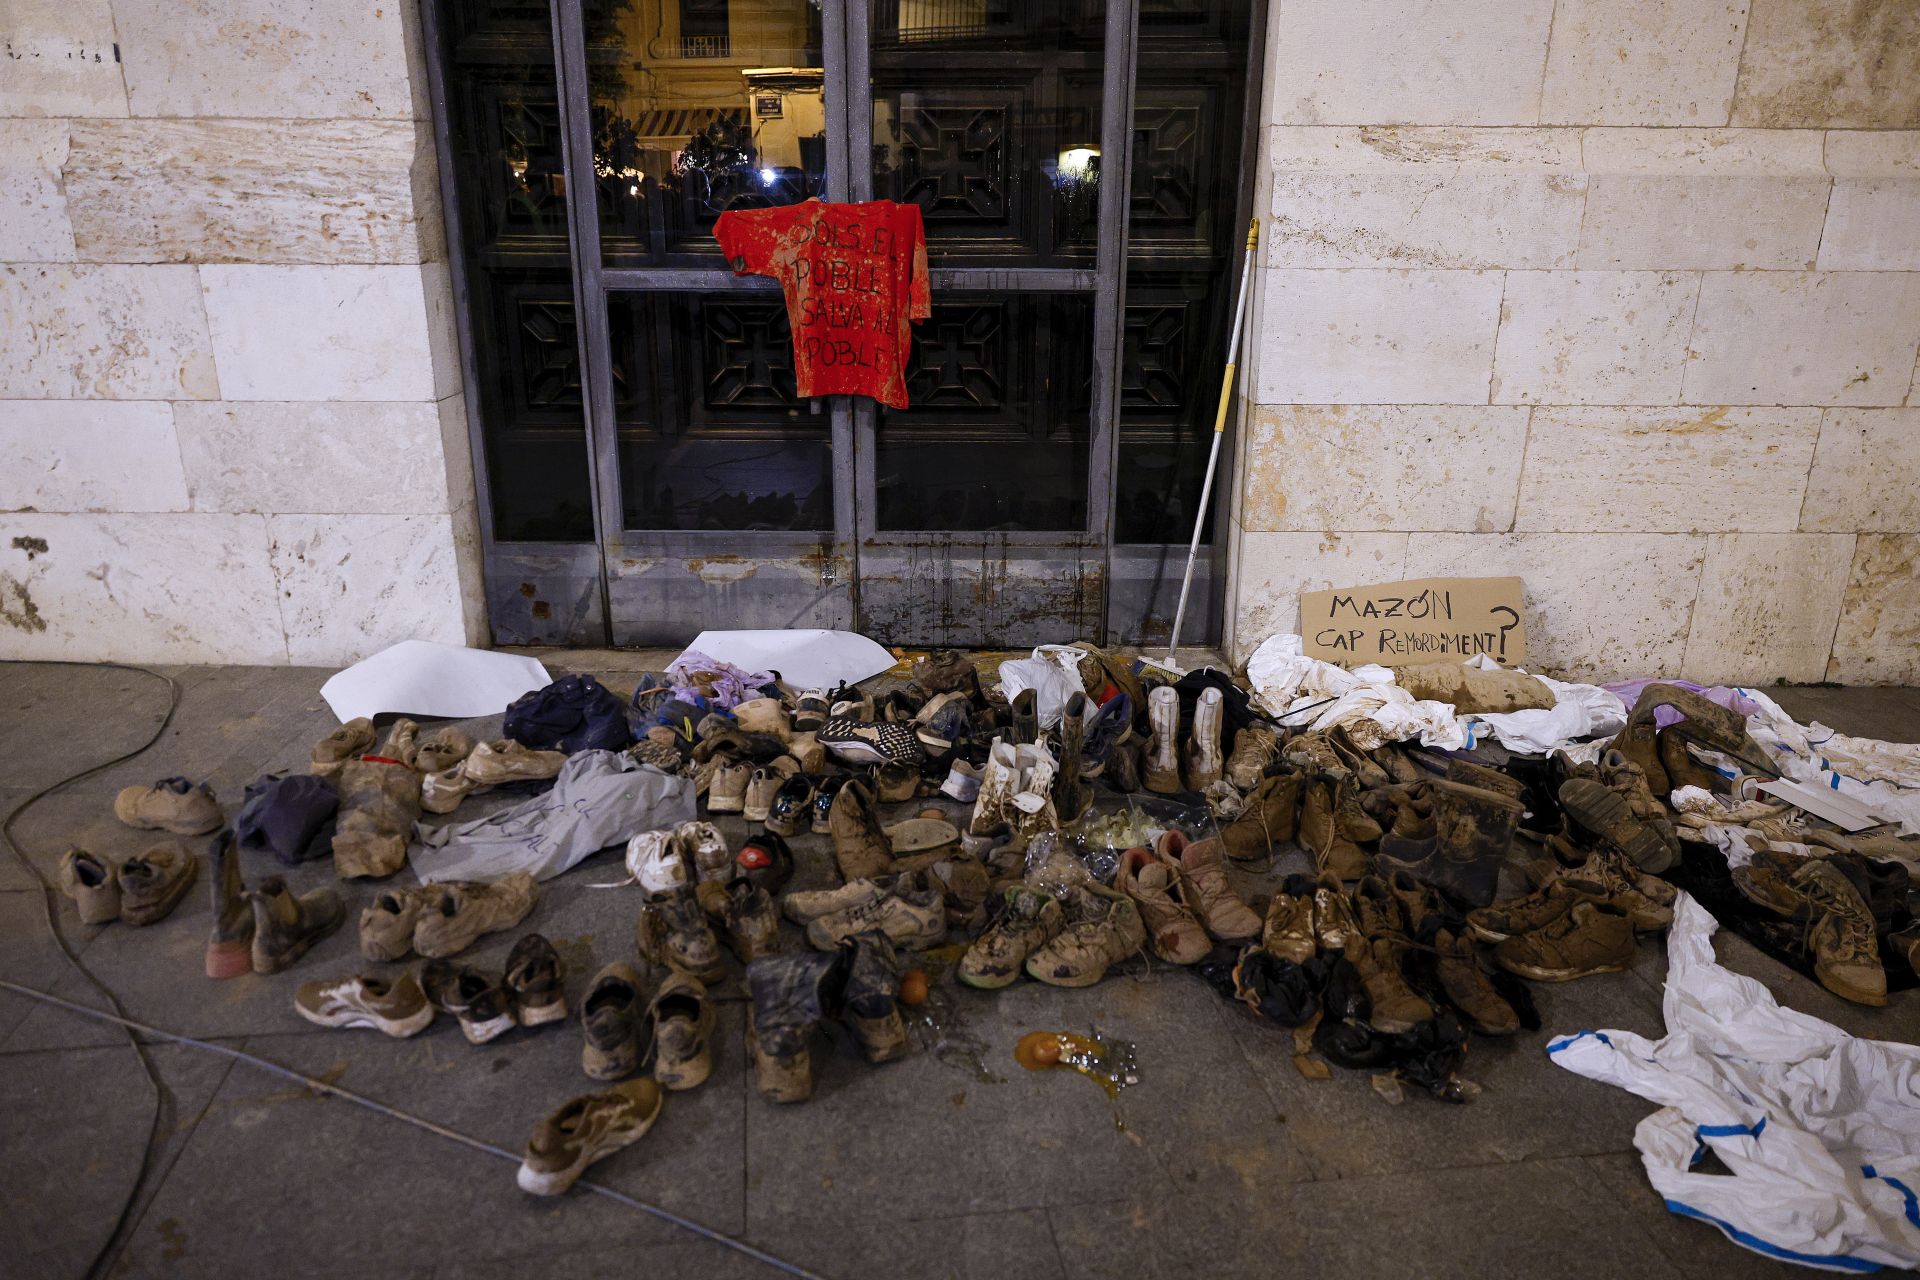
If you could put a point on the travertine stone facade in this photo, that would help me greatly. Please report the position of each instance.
(1622, 296)
(229, 404)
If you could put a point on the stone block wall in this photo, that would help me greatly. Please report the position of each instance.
(230, 405)
(1622, 296)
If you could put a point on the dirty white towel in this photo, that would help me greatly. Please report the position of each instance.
(600, 799)
(1819, 1129)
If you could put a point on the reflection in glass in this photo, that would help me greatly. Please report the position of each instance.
(699, 107)
(710, 433)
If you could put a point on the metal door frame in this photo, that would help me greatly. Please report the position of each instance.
(847, 90)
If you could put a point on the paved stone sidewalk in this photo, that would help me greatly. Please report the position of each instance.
(1230, 1163)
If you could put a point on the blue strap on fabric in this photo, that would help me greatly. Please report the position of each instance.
(1836, 1261)
(1564, 1041)
(1906, 1192)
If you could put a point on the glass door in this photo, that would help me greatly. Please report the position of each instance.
(645, 466)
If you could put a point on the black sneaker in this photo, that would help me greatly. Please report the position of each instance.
(535, 981)
(792, 807)
(483, 1008)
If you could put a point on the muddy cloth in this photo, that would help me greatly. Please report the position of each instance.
(574, 713)
(1427, 1056)
(600, 799)
(1817, 1132)
(379, 803)
(855, 278)
(291, 817)
(704, 681)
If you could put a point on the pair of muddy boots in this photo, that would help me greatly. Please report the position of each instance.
(1173, 765)
(1017, 793)
(1581, 921)
(266, 929)
(1613, 800)
(1397, 919)
(795, 994)
(622, 1026)
(1451, 836)
(1841, 928)
(140, 891)
(1662, 754)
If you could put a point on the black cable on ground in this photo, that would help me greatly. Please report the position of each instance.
(103, 1257)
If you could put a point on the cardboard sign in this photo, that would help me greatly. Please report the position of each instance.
(1427, 620)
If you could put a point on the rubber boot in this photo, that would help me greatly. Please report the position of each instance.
(1026, 717)
(1163, 754)
(998, 781)
(230, 946)
(1204, 758)
(1070, 795)
(285, 927)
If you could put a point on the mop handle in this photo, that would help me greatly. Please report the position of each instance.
(1219, 429)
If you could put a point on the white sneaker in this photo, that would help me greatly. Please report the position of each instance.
(654, 861)
(705, 850)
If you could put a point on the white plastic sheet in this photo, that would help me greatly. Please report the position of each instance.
(805, 659)
(421, 678)
(1819, 1129)
(1053, 673)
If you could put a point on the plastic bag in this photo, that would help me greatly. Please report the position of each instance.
(1053, 673)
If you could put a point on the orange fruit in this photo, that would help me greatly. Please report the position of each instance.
(913, 987)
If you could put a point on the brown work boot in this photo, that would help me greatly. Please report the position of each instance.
(1416, 900)
(682, 1018)
(613, 1021)
(1028, 920)
(1102, 929)
(1288, 931)
(1322, 835)
(387, 924)
(1681, 768)
(1639, 742)
(1377, 910)
(1846, 957)
(1464, 983)
(395, 1007)
(673, 931)
(860, 846)
(1378, 960)
(1254, 747)
(1150, 880)
(171, 804)
(379, 803)
(1269, 818)
(1602, 810)
(285, 927)
(909, 917)
(94, 885)
(1589, 937)
(349, 742)
(1473, 831)
(152, 883)
(1334, 925)
(589, 1128)
(230, 944)
(458, 913)
(1205, 889)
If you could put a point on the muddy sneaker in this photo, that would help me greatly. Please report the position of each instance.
(1527, 913)
(757, 802)
(230, 942)
(860, 844)
(171, 804)
(705, 850)
(727, 792)
(791, 809)
(752, 921)
(403, 742)
(1254, 748)
(379, 803)
(911, 918)
(1102, 929)
(946, 671)
(1380, 961)
(442, 749)
(871, 997)
(387, 924)
(504, 760)
(1462, 981)
(763, 715)
(535, 982)
(93, 884)
(1172, 930)
(396, 1008)
(456, 914)
(682, 1018)
(804, 906)
(613, 1019)
(1031, 809)
(1607, 875)
(1162, 765)
(442, 792)
(1334, 925)
(349, 742)
(1322, 835)
(483, 1007)
(152, 883)
(1202, 754)
(589, 1128)
(673, 931)
(1603, 811)
(1288, 930)
(1590, 937)
(1028, 920)
(1270, 817)
(286, 927)
(793, 993)
(1205, 890)
(1846, 957)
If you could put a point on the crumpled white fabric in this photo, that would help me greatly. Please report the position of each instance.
(1884, 776)
(1375, 709)
(1819, 1129)
(1053, 673)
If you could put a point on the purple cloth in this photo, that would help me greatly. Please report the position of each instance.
(1629, 692)
(731, 685)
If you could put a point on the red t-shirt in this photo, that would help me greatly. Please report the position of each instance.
(855, 275)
